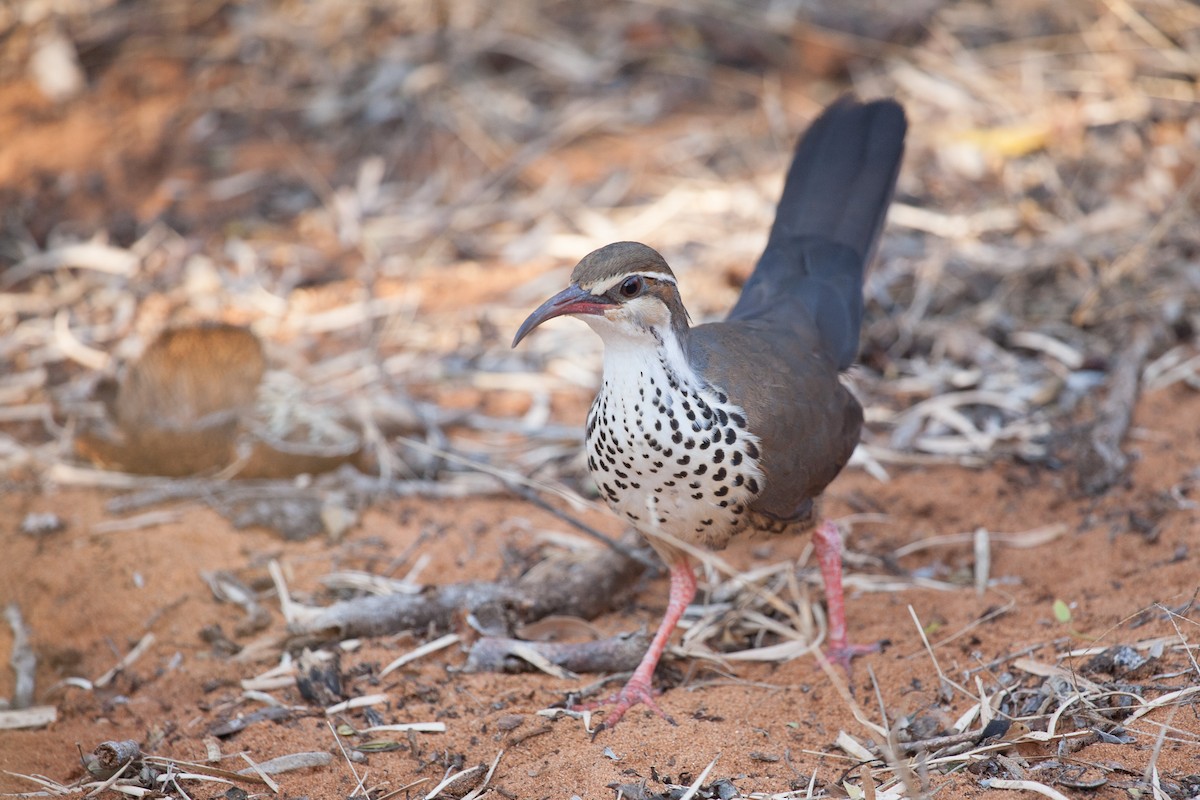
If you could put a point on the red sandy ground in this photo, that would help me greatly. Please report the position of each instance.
(88, 598)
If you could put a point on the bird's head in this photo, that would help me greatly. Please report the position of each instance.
(624, 289)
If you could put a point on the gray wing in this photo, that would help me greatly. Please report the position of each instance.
(794, 402)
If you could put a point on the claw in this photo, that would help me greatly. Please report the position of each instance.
(635, 692)
(842, 654)
(632, 694)
(637, 689)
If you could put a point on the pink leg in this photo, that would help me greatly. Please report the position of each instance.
(827, 539)
(637, 689)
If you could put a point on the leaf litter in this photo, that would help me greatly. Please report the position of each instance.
(1042, 248)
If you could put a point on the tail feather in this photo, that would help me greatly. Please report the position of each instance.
(827, 225)
(841, 179)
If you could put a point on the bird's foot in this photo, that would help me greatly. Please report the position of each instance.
(635, 692)
(843, 653)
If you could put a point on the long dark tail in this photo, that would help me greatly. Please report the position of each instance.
(834, 201)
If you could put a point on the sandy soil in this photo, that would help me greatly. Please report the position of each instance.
(1120, 562)
(1126, 565)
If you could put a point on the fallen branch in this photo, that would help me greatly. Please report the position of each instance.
(1100, 461)
(583, 586)
(23, 660)
(614, 654)
(32, 717)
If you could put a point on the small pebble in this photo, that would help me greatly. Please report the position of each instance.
(41, 523)
(510, 722)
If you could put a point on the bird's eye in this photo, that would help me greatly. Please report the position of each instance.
(631, 287)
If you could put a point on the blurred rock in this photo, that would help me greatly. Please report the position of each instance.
(178, 409)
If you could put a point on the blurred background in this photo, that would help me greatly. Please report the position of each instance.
(381, 190)
(293, 240)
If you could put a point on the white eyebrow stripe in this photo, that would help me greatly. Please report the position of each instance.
(601, 288)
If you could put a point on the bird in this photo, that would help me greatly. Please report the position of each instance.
(700, 433)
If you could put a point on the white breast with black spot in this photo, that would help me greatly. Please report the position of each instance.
(669, 452)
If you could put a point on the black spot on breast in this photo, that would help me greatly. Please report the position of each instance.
(658, 464)
(620, 474)
(674, 424)
(721, 491)
(718, 456)
(620, 485)
(751, 450)
(739, 479)
(658, 424)
(738, 420)
(668, 452)
(677, 437)
(706, 522)
(684, 460)
(668, 483)
(722, 417)
(736, 458)
(635, 484)
(658, 490)
(592, 463)
(719, 475)
(681, 475)
(632, 516)
(730, 436)
(701, 469)
(694, 485)
(752, 485)
(698, 496)
(722, 397)
(689, 444)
